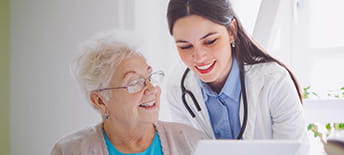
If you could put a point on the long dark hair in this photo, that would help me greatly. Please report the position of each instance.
(246, 51)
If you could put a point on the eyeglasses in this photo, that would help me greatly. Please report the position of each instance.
(138, 84)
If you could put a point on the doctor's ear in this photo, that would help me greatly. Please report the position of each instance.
(233, 30)
(97, 100)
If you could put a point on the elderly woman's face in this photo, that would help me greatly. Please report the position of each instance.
(139, 107)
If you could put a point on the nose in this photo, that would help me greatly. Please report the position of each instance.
(150, 88)
(199, 55)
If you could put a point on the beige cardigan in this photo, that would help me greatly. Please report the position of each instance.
(175, 138)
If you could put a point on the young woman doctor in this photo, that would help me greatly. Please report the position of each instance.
(231, 88)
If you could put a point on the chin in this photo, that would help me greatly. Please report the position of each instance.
(207, 79)
(150, 120)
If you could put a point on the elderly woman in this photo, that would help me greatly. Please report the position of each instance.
(123, 88)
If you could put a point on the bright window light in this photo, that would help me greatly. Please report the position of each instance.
(326, 24)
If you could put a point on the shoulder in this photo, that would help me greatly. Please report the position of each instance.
(266, 69)
(177, 138)
(79, 135)
(78, 140)
(173, 83)
(174, 128)
(174, 75)
(268, 72)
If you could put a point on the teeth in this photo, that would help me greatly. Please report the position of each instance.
(147, 104)
(204, 67)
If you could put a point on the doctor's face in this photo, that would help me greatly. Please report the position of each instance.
(204, 47)
(133, 107)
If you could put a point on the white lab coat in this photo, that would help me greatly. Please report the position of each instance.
(274, 109)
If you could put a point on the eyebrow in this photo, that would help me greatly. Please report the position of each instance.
(128, 72)
(205, 36)
(149, 68)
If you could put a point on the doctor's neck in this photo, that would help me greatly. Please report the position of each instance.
(216, 88)
(218, 84)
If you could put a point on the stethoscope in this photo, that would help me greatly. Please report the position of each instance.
(186, 92)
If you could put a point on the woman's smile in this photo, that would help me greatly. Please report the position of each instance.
(204, 69)
(151, 105)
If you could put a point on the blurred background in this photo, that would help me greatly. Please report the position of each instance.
(40, 102)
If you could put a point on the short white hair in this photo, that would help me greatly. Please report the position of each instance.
(94, 67)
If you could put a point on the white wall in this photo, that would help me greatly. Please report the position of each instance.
(45, 101)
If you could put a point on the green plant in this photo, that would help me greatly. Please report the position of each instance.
(330, 127)
(307, 92)
(336, 93)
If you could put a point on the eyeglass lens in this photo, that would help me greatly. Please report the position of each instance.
(137, 85)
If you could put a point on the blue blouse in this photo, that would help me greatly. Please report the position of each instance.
(224, 107)
(153, 149)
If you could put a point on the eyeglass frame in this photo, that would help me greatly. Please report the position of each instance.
(144, 83)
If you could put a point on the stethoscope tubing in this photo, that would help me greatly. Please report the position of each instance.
(198, 107)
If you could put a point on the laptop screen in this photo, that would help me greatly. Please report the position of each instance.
(248, 147)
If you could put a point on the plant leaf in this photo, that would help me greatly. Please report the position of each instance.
(316, 134)
(310, 126)
(315, 94)
(328, 126)
(341, 126)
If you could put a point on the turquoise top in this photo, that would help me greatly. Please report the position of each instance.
(153, 149)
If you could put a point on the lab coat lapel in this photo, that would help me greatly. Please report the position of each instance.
(202, 118)
(251, 117)
(253, 85)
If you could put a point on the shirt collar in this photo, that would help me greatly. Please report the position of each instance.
(232, 87)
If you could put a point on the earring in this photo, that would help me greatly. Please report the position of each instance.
(233, 44)
(105, 116)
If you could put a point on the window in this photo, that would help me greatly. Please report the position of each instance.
(307, 35)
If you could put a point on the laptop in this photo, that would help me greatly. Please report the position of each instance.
(247, 147)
